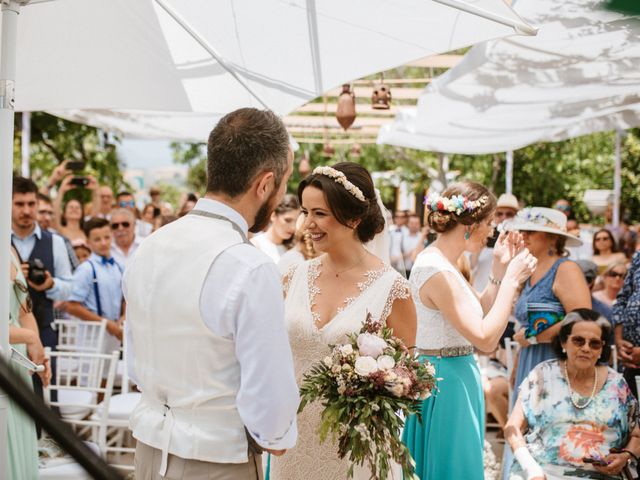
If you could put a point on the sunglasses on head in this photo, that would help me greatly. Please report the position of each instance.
(594, 343)
(616, 274)
(125, 204)
(115, 225)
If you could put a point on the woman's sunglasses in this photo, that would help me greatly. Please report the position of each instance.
(602, 239)
(616, 274)
(594, 343)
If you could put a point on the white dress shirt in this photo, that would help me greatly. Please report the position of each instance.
(240, 285)
(122, 258)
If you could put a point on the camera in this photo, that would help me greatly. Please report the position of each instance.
(491, 241)
(79, 181)
(37, 272)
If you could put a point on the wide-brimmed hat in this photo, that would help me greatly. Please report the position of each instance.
(507, 200)
(540, 219)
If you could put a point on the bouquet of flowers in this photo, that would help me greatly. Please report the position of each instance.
(363, 385)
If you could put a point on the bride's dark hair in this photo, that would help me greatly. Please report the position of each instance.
(344, 205)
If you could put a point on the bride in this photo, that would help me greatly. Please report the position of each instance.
(329, 297)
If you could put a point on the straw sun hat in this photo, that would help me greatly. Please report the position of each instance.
(540, 219)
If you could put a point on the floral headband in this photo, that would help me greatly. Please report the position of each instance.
(340, 178)
(456, 204)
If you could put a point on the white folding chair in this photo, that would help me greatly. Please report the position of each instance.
(80, 336)
(511, 347)
(118, 441)
(614, 358)
(79, 386)
(638, 386)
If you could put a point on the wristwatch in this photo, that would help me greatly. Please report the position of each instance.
(532, 340)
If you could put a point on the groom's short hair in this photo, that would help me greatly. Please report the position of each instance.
(243, 144)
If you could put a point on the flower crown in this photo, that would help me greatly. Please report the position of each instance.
(456, 204)
(340, 178)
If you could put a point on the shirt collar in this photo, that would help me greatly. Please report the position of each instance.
(97, 258)
(219, 208)
(36, 231)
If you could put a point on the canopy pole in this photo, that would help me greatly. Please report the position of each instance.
(520, 27)
(508, 180)
(617, 182)
(212, 51)
(25, 144)
(10, 10)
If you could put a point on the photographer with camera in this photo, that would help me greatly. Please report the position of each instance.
(43, 258)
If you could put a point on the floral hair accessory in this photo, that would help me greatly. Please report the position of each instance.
(339, 177)
(457, 204)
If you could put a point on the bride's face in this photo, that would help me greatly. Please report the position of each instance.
(321, 224)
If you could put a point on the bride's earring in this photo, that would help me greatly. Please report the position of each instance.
(467, 234)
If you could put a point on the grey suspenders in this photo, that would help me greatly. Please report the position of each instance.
(202, 213)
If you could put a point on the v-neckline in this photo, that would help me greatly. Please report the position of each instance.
(313, 272)
(543, 276)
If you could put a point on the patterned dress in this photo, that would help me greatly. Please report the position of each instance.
(560, 435)
(310, 459)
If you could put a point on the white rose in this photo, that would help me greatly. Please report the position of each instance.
(366, 365)
(346, 367)
(396, 389)
(346, 349)
(328, 361)
(425, 395)
(390, 377)
(371, 345)
(431, 370)
(386, 362)
(342, 389)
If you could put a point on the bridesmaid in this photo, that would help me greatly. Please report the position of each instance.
(453, 319)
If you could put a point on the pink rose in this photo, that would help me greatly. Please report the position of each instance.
(371, 345)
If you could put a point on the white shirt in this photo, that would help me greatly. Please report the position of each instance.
(409, 243)
(249, 281)
(262, 242)
(122, 258)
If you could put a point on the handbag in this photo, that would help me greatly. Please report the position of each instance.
(542, 315)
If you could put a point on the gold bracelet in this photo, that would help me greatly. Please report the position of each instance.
(494, 280)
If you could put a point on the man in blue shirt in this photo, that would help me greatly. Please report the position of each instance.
(39, 248)
(97, 284)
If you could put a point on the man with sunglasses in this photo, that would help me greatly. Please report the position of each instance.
(125, 244)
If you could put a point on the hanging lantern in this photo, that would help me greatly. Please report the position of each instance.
(355, 150)
(346, 109)
(305, 165)
(328, 151)
(381, 96)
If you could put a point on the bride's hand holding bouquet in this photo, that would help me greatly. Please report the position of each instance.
(363, 385)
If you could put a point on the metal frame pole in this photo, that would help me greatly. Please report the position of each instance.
(508, 177)
(10, 10)
(617, 182)
(25, 144)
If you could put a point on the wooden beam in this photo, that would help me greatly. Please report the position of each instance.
(437, 61)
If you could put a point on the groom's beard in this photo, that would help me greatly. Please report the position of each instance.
(263, 217)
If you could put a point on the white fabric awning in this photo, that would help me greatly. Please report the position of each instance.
(111, 63)
(580, 74)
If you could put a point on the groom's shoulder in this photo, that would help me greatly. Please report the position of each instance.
(248, 256)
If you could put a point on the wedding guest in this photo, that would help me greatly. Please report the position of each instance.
(53, 282)
(397, 232)
(205, 333)
(330, 296)
(574, 417)
(605, 250)
(303, 248)
(156, 196)
(71, 221)
(278, 239)
(97, 285)
(410, 241)
(626, 320)
(613, 279)
(45, 218)
(147, 217)
(125, 242)
(452, 320)
(81, 250)
(188, 204)
(563, 205)
(590, 272)
(102, 202)
(22, 448)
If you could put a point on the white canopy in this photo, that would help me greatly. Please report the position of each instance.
(580, 74)
(128, 65)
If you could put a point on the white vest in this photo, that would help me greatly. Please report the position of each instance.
(189, 376)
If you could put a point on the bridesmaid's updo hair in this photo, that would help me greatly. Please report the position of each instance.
(344, 205)
(443, 221)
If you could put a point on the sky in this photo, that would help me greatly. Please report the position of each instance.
(145, 154)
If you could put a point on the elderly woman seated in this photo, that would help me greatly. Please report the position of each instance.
(574, 418)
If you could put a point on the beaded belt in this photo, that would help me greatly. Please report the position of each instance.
(448, 351)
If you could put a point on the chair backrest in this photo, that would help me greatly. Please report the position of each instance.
(614, 358)
(80, 336)
(638, 386)
(511, 348)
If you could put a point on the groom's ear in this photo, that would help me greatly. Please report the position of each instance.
(263, 184)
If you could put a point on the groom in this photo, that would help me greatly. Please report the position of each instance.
(206, 340)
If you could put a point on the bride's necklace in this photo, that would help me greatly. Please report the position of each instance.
(340, 272)
(575, 396)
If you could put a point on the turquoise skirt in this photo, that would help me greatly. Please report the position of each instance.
(449, 442)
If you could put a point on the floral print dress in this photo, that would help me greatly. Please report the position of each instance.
(560, 434)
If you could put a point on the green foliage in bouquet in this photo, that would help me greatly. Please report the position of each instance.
(363, 385)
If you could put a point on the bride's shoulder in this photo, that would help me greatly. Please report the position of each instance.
(298, 269)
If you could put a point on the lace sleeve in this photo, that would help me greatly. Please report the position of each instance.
(401, 289)
(286, 279)
(420, 275)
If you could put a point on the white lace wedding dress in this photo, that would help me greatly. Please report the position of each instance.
(310, 459)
